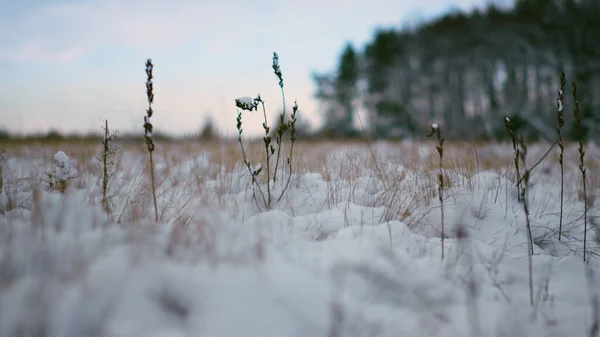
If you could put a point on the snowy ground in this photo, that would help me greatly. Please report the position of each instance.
(353, 248)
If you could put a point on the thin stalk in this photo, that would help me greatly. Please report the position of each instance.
(153, 186)
(292, 126)
(105, 159)
(280, 133)
(282, 126)
(582, 169)
(561, 123)
(148, 129)
(520, 152)
(247, 163)
(267, 141)
(524, 187)
(435, 130)
(538, 162)
(513, 138)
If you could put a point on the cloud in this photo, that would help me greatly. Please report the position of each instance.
(64, 31)
(207, 53)
(38, 50)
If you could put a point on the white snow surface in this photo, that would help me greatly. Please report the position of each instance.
(61, 157)
(332, 258)
(246, 100)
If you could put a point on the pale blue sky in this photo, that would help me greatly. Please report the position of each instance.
(66, 64)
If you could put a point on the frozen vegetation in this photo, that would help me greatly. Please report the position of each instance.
(352, 249)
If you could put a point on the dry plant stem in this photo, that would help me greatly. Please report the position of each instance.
(1, 172)
(148, 130)
(105, 166)
(561, 123)
(105, 157)
(153, 181)
(253, 174)
(380, 171)
(520, 152)
(267, 141)
(290, 168)
(282, 127)
(530, 250)
(244, 104)
(279, 135)
(292, 126)
(513, 138)
(593, 293)
(524, 187)
(538, 162)
(585, 207)
(105, 162)
(582, 169)
(435, 129)
(441, 197)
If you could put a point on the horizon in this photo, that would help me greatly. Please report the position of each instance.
(67, 65)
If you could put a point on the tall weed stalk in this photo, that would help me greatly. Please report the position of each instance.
(271, 169)
(435, 130)
(148, 130)
(561, 123)
(578, 118)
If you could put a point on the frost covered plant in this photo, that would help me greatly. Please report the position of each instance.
(106, 158)
(148, 130)
(435, 130)
(561, 123)
(582, 169)
(271, 168)
(62, 170)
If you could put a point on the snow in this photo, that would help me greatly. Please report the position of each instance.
(61, 157)
(249, 101)
(350, 250)
(62, 169)
(560, 105)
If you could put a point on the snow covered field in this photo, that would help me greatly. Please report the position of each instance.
(352, 249)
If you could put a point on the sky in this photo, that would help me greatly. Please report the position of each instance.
(67, 65)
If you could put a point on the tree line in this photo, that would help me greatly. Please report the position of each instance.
(467, 71)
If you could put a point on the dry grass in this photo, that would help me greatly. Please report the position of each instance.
(190, 174)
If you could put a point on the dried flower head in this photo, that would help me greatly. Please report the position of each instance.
(277, 69)
(560, 101)
(149, 112)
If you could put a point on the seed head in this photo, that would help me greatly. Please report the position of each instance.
(277, 69)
